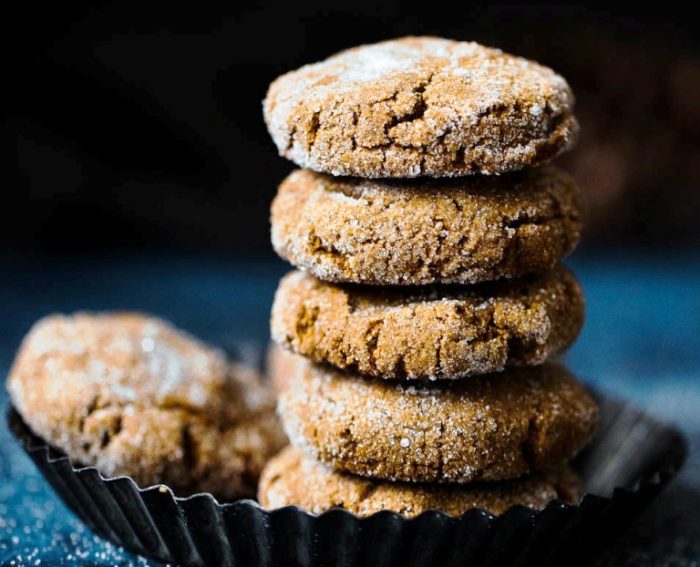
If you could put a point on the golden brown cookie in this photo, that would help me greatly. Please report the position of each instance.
(420, 106)
(433, 332)
(420, 232)
(489, 427)
(134, 396)
(293, 479)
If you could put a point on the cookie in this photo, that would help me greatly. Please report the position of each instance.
(489, 427)
(293, 479)
(133, 396)
(420, 106)
(421, 232)
(428, 332)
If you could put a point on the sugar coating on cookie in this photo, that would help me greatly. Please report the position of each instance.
(428, 332)
(134, 396)
(293, 479)
(421, 232)
(490, 427)
(420, 106)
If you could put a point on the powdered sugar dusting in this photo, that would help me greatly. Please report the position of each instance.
(419, 106)
(129, 353)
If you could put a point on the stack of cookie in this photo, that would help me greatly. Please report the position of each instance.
(430, 301)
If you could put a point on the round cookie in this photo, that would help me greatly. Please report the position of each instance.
(420, 106)
(134, 396)
(293, 479)
(489, 427)
(441, 332)
(454, 231)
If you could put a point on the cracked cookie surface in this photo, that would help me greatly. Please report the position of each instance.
(293, 479)
(417, 232)
(439, 332)
(489, 427)
(420, 106)
(134, 396)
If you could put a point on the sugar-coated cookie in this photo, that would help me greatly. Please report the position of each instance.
(420, 106)
(134, 396)
(428, 332)
(279, 363)
(421, 232)
(294, 479)
(490, 427)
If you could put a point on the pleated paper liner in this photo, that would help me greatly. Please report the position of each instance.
(631, 458)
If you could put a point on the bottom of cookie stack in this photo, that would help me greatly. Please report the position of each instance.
(628, 463)
(293, 478)
(367, 445)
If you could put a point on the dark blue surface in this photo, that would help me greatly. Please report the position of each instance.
(641, 342)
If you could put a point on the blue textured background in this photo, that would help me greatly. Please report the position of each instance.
(641, 342)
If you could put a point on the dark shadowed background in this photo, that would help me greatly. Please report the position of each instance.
(146, 175)
(141, 124)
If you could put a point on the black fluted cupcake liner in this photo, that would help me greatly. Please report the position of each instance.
(631, 458)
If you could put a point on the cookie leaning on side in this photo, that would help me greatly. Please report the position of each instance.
(420, 389)
(134, 396)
